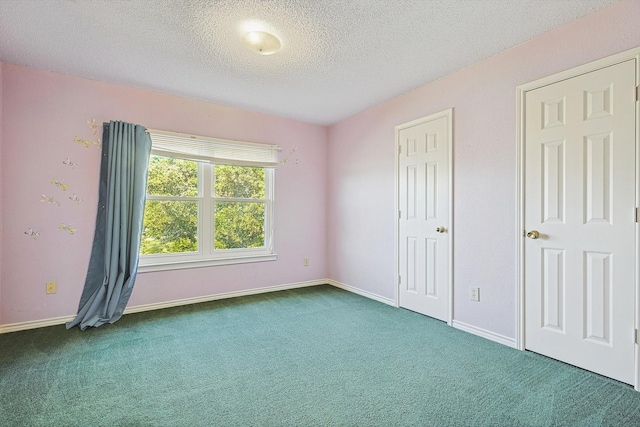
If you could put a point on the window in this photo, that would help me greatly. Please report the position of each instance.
(209, 202)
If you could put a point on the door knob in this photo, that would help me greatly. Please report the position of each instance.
(441, 229)
(533, 234)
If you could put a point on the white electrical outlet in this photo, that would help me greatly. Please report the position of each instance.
(475, 294)
(306, 262)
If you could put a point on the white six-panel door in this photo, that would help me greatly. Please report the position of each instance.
(424, 150)
(579, 219)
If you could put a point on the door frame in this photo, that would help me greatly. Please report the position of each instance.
(448, 113)
(632, 54)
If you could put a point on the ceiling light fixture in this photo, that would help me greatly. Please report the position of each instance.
(261, 42)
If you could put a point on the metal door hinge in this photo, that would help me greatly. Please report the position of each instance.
(637, 214)
(636, 337)
(637, 93)
(399, 279)
(399, 214)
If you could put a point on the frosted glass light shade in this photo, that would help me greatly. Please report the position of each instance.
(261, 42)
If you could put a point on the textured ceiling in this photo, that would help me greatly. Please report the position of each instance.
(338, 57)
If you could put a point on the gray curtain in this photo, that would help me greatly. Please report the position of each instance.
(116, 243)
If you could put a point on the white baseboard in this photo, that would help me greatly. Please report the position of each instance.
(367, 294)
(33, 324)
(501, 339)
(226, 295)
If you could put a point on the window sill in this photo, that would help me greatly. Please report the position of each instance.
(156, 265)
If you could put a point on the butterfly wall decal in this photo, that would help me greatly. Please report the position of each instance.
(86, 143)
(75, 198)
(50, 200)
(93, 125)
(286, 159)
(69, 163)
(31, 233)
(63, 187)
(69, 229)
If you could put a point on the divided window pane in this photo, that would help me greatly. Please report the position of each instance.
(239, 182)
(239, 225)
(169, 227)
(172, 177)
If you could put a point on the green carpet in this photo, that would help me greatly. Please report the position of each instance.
(310, 357)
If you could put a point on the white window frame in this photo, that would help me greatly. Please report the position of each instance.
(207, 255)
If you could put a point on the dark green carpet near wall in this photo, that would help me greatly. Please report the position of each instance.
(314, 356)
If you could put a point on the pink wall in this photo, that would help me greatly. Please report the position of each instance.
(361, 167)
(43, 112)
